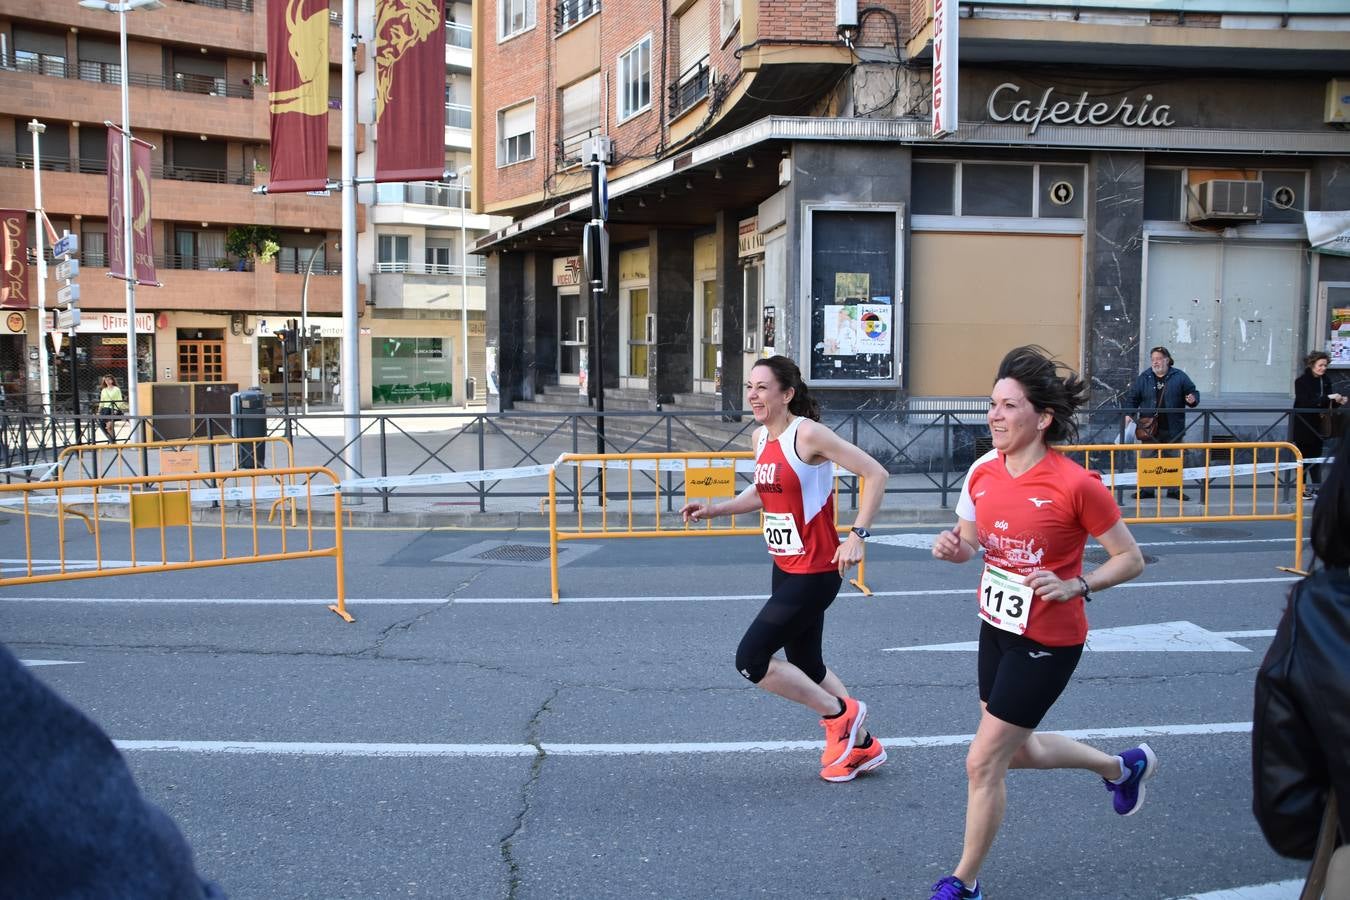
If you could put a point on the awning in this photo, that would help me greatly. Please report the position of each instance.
(1329, 231)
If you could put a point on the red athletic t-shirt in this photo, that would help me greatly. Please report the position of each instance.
(788, 486)
(1039, 520)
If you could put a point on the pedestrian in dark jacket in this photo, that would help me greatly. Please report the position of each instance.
(1312, 390)
(72, 822)
(1301, 724)
(1161, 387)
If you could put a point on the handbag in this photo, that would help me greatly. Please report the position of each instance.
(1326, 424)
(1146, 429)
(1317, 885)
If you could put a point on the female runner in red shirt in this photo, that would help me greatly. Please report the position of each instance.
(1030, 509)
(794, 485)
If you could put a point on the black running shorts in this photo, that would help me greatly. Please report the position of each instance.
(1020, 679)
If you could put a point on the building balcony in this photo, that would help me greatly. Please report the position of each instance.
(458, 46)
(187, 285)
(174, 104)
(427, 288)
(425, 203)
(205, 196)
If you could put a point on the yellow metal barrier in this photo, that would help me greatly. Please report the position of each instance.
(641, 516)
(175, 457)
(1237, 482)
(119, 508)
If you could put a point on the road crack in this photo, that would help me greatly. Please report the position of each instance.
(526, 791)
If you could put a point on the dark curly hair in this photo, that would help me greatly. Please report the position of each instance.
(1046, 388)
(786, 373)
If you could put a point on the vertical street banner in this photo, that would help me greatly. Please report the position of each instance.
(945, 17)
(297, 77)
(142, 238)
(14, 280)
(117, 247)
(409, 90)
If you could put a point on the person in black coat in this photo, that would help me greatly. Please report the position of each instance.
(1312, 390)
(1301, 721)
(72, 822)
(1162, 386)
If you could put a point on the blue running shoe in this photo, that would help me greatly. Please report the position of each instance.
(1128, 796)
(953, 888)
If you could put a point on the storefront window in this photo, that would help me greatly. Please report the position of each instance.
(410, 370)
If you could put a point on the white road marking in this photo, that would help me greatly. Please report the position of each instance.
(646, 598)
(1276, 890)
(34, 663)
(301, 748)
(1157, 637)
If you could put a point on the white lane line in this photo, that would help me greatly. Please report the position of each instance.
(1275, 890)
(425, 601)
(302, 748)
(34, 663)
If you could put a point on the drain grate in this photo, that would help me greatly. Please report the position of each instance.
(526, 553)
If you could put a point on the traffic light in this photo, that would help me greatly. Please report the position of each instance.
(288, 340)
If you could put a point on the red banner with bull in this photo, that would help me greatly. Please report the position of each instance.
(297, 75)
(409, 90)
(14, 283)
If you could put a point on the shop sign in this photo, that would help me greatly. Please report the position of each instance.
(1004, 106)
(750, 240)
(16, 323)
(566, 271)
(945, 64)
(477, 329)
(329, 326)
(113, 322)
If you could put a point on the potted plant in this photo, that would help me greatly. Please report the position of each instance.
(252, 242)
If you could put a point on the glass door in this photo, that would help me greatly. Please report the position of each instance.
(634, 340)
(709, 337)
(571, 337)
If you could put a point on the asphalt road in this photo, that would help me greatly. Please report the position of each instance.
(455, 742)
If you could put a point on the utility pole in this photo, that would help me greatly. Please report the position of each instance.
(595, 252)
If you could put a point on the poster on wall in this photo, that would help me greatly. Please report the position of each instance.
(853, 259)
(1339, 344)
(492, 386)
(770, 330)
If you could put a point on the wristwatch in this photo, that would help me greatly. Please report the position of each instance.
(861, 532)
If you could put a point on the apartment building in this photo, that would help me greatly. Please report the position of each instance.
(1118, 176)
(197, 93)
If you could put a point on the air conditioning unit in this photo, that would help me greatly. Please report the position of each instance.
(1338, 101)
(1228, 200)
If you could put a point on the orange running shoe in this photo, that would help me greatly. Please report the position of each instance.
(860, 759)
(841, 732)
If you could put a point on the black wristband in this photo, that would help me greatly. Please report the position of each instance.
(1087, 592)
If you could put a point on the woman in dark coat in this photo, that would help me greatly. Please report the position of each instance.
(1312, 390)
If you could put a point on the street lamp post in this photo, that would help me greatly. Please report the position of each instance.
(464, 282)
(304, 327)
(128, 250)
(44, 377)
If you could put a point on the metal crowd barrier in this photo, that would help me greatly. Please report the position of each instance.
(173, 457)
(186, 514)
(1224, 482)
(648, 481)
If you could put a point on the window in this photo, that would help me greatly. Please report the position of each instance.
(393, 253)
(517, 16)
(569, 12)
(1003, 190)
(580, 117)
(95, 248)
(515, 134)
(731, 16)
(437, 257)
(691, 81)
(635, 79)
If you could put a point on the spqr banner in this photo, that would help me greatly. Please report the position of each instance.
(409, 90)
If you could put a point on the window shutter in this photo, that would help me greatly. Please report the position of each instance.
(518, 120)
(581, 106)
(693, 35)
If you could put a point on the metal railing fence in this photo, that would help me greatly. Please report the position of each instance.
(927, 452)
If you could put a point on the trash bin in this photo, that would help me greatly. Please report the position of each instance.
(248, 419)
(470, 384)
